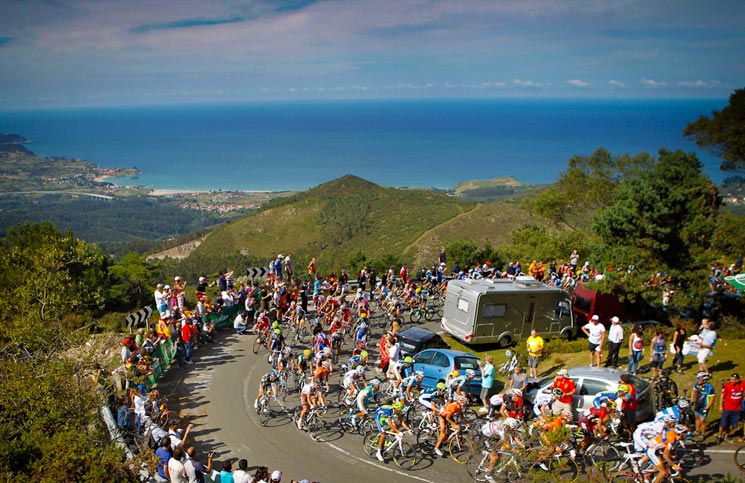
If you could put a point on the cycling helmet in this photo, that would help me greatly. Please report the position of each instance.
(375, 382)
(275, 324)
(363, 355)
(441, 386)
(408, 360)
(419, 374)
(623, 388)
(517, 392)
(398, 405)
(272, 373)
(470, 373)
(611, 403)
(454, 373)
(510, 423)
(684, 404)
(306, 353)
(703, 375)
(277, 331)
(680, 429)
(557, 392)
(668, 419)
(361, 370)
(327, 351)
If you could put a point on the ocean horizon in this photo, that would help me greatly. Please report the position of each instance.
(282, 146)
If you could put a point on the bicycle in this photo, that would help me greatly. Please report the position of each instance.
(261, 341)
(664, 390)
(404, 454)
(630, 471)
(421, 311)
(282, 390)
(458, 446)
(509, 468)
(350, 423)
(313, 422)
(513, 360)
(740, 458)
(264, 410)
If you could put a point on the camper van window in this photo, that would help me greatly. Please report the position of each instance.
(494, 310)
(463, 305)
(562, 309)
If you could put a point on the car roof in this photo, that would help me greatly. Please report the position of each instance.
(451, 353)
(419, 333)
(604, 372)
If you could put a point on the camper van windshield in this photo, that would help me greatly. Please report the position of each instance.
(582, 303)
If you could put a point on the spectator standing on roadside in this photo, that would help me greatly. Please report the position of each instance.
(730, 406)
(658, 349)
(636, 349)
(629, 404)
(535, 346)
(595, 332)
(187, 336)
(404, 274)
(194, 468)
(312, 269)
(442, 257)
(518, 379)
(289, 269)
(163, 453)
(176, 472)
(565, 389)
(226, 475)
(160, 299)
(241, 475)
(487, 381)
(615, 339)
(708, 341)
(679, 337)
(574, 261)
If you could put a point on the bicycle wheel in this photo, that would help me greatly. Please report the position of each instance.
(387, 389)
(430, 313)
(603, 457)
(404, 455)
(370, 444)
(564, 469)
(265, 413)
(258, 344)
(624, 477)
(316, 427)
(345, 420)
(426, 440)
(690, 456)
(459, 448)
(740, 458)
(477, 465)
(415, 316)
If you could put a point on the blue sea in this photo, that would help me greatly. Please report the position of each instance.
(417, 143)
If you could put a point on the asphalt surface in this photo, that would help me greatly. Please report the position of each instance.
(216, 395)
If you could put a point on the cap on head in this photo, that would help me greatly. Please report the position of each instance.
(563, 373)
(596, 318)
(276, 475)
(736, 375)
(517, 392)
(615, 319)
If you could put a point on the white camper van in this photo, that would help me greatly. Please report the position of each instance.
(505, 311)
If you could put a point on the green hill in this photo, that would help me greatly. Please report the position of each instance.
(349, 215)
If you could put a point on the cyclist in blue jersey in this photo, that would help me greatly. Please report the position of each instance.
(384, 419)
(408, 383)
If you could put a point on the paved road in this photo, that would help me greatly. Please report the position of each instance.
(216, 394)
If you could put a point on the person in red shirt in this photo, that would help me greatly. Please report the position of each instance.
(404, 275)
(186, 335)
(629, 405)
(564, 389)
(730, 406)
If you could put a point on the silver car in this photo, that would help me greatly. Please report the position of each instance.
(590, 382)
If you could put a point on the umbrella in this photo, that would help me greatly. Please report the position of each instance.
(737, 281)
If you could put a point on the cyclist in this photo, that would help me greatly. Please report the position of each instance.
(286, 361)
(322, 342)
(401, 369)
(268, 384)
(513, 405)
(277, 344)
(364, 397)
(262, 323)
(702, 396)
(359, 358)
(446, 414)
(504, 432)
(658, 437)
(310, 396)
(677, 411)
(456, 382)
(431, 398)
(303, 361)
(544, 400)
(405, 389)
(351, 379)
(323, 367)
(361, 333)
(594, 423)
(384, 419)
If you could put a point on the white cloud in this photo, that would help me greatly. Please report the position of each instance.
(700, 83)
(653, 83)
(615, 83)
(526, 83)
(578, 83)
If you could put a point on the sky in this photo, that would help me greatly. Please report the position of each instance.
(60, 53)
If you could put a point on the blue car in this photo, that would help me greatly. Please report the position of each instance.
(438, 363)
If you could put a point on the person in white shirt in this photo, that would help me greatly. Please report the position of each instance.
(595, 332)
(615, 339)
(176, 470)
(160, 299)
(241, 474)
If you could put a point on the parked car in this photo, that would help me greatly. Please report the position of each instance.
(415, 339)
(590, 382)
(438, 363)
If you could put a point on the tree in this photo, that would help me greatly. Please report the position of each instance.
(132, 279)
(662, 221)
(723, 133)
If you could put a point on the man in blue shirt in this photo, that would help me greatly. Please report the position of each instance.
(487, 381)
(163, 453)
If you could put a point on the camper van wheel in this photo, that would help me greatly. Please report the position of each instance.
(567, 334)
(505, 341)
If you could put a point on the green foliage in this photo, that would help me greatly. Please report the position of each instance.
(662, 220)
(131, 281)
(728, 235)
(723, 133)
(467, 253)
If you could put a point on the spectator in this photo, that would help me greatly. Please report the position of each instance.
(160, 299)
(187, 336)
(595, 332)
(636, 349)
(615, 339)
(276, 476)
(518, 379)
(226, 474)
(487, 381)
(163, 453)
(659, 352)
(261, 475)
(730, 406)
(239, 323)
(535, 351)
(564, 389)
(679, 337)
(177, 435)
(629, 404)
(195, 470)
(176, 471)
(241, 474)
(209, 331)
(708, 338)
